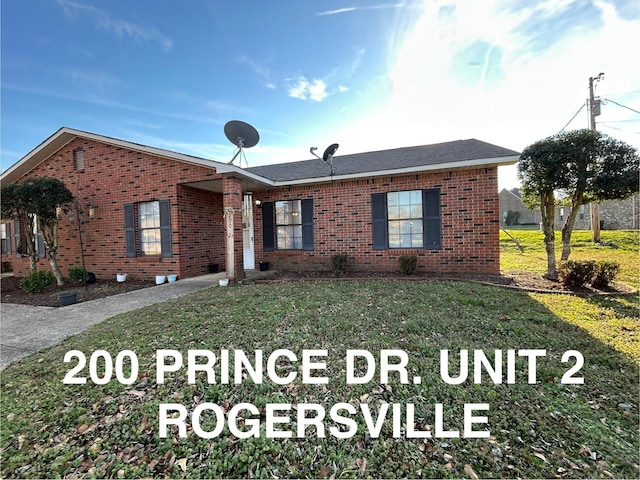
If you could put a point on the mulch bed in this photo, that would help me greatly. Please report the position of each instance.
(12, 293)
(526, 281)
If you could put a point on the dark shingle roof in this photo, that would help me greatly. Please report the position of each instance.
(385, 160)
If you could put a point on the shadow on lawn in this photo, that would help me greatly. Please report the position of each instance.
(540, 430)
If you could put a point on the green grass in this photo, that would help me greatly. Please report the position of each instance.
(546, 429)
(617, 245)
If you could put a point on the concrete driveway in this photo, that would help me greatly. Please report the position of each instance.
(26, 329)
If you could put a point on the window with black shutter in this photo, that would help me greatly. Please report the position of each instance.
(150, 235)
(288, 225)
(407, 219)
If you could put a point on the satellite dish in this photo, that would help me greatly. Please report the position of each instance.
(242, 135)
(330, 152)
(327, 156)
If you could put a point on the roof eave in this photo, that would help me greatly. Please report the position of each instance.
(466, 164)
(65, 135)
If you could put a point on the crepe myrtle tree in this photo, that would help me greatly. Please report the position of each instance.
(16, 206)
(583, 166)
(35, 202)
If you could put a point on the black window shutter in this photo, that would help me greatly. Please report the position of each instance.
(379, 221)
(16, 238)
(130, 229)
(431, 213)
(307, 224)
(166, 245)
(268, 228)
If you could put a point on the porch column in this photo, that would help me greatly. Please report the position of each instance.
(232, 203)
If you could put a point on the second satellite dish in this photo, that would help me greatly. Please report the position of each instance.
(330, 152)
(327, 156)
(242, 135)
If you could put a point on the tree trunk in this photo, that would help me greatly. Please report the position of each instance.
(547, 209)
(567, 228)
(50, 237)
(30, 243)
(53, 261)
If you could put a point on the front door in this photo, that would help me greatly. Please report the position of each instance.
(247, 232)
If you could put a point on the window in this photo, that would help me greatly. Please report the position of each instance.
(287, 225)
(581, 212)
(561, 214)
(19, 233)
(148, 229)
(149, 221)
(5, 238)
(404, 214)
(408, 219)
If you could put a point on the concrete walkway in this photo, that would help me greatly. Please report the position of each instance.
(26, 329)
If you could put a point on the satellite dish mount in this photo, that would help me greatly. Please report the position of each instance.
(242, 135)
(327, 156)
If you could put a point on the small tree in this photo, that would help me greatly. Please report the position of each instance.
(16, 205)
(586, 166)
(35, 201)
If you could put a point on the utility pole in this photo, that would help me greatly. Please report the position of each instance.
(594, 111)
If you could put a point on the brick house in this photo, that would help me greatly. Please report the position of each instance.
(145, 211)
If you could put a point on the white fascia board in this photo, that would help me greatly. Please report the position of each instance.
(482, 162)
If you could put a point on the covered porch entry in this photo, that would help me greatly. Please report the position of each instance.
(238, 220)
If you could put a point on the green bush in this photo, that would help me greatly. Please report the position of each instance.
(605, 273)
(37, 281)
(7, 267)
(78, 274)
(576, 273)
(511, 218)
(339, 263)
(408, 264)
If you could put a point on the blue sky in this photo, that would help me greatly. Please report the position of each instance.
(365, 74)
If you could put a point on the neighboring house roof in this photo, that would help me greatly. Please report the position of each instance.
(514, 191)
(458, 154)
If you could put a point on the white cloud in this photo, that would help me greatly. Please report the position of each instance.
(381, 6)
(303, 89)
(515, 90)
(118, 26)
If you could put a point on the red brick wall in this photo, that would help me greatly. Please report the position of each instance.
(114, 176)
(342, 223)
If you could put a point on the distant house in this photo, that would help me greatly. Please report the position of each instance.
(146, 211)
(614, 214)
(514, 212)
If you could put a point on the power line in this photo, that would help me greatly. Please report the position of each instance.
(572, 118)
(620, 105)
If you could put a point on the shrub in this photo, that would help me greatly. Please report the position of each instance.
(78, 274)
(605, 273)
(511, 218)
(408, 264)
(576, 273)
(37, 281)
(339, 263)
(7, 267)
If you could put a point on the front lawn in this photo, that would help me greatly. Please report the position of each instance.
(538, 430)
(616, 245)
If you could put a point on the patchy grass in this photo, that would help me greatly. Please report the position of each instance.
(617, 245)
(546, 429)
